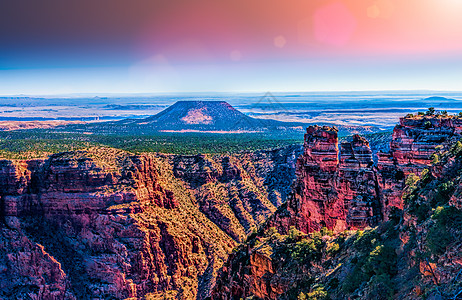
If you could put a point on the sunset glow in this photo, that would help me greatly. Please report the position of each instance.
(230, 37)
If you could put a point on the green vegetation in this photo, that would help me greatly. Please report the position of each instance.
(410, 185)
(318, 293)
(446, 229)
(456, 149)
(27, 144)
(306, 250)
(39, 143)
(375, 263)
(430, 111)
(443, 193)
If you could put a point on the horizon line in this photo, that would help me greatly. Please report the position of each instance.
(163, 93)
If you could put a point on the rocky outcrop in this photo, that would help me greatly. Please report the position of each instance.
(27, 271)
(415, 140)
(342, 189)
(332, 192)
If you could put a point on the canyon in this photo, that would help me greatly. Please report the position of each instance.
(104, 223)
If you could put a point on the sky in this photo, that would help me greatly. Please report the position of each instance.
(158, 46)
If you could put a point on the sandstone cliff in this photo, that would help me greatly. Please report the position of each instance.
(335, 188)
(414, 255)
(340, 188)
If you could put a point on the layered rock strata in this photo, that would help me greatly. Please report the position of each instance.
(340, 188)
(241, 191)
(415, 140)
(334, 189)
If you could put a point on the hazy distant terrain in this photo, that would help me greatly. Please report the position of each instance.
(381, 109)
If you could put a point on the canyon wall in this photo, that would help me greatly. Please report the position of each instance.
(241, 191)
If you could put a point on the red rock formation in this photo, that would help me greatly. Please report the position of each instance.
(349, 192)
(332, 193)
(415, 140)
(358, 184)
(317, 204)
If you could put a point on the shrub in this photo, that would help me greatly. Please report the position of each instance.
(354, 279)
(443, 194)
(305, 251)
(272, 234)
(430, 111)
(318, 293)
(410, 185)
(438, 239)
(421, 211)
(381, 287)
(439, 236)
(448, 216)
(294, 235)
(425, 176)
(325, 231)
(381, 260)
(395, 215)
(333, 249)
(411, 180)
(456, 148)
(365, 240)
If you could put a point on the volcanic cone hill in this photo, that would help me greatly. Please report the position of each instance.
(191, 116)
(206, 115)
(203, 116)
